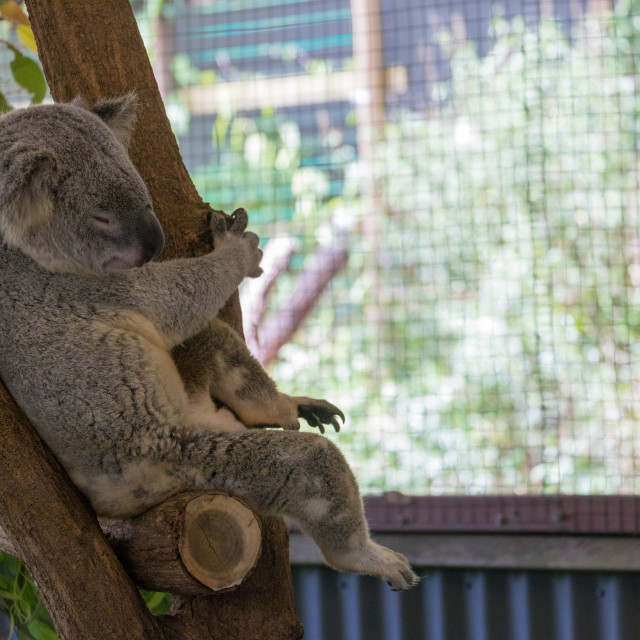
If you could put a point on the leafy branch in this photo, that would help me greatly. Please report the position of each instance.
(25, 70)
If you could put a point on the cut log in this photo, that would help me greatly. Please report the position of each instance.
(220, 541)
(190, 544)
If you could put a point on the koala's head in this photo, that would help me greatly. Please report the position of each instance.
(70, 198)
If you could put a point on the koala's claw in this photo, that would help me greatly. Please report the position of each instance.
(314, 421)
(240, 221)
(254, 241)
(406, 580)
(217, 222)
(319, 412)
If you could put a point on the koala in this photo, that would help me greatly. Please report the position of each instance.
(120, 362)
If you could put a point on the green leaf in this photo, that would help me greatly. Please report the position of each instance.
(158, 603)
(4, 105)
(220, 129)
(28, 74)
(41, 631)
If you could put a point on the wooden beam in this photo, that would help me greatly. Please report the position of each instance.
(288, 91)
(498, 551)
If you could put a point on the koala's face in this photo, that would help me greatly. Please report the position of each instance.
(70, 198)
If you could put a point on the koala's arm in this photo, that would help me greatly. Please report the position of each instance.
(180, 297)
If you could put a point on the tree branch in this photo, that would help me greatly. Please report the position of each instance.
(189, 541)
(280, 326)
(255, 292)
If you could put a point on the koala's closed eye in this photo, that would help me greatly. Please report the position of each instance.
(105, 221)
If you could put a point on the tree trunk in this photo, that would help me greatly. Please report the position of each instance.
(53, 530)
(93, 49)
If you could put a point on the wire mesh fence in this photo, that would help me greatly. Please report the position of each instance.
(448, 198)
(448, 195)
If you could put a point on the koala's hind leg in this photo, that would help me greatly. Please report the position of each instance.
(217, 362)
(302, 476)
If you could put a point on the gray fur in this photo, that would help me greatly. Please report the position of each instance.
(119, 361)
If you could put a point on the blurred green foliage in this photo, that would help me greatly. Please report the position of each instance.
(20, 600)
(16, 39)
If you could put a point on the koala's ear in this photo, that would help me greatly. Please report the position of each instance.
(25, 194)
(119, 114)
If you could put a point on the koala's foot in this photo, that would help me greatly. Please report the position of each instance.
(319, 412)
(376, 560)
(285, 411)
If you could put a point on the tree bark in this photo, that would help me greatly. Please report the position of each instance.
(93, 49)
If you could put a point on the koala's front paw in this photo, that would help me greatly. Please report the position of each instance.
(245, 241)
(319, 412)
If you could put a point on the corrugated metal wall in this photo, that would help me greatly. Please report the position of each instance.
(470, 605)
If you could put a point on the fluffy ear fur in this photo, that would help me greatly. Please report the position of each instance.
(25, 199)
(119, 114)
(79, 102)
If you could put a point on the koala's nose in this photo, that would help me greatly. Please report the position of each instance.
(150, 234)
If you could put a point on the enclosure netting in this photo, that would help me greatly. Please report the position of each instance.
(448, 197)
